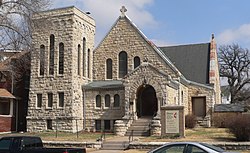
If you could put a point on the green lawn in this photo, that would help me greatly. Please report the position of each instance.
(197, 134)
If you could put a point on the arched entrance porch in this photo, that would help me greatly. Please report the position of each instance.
(146, 103)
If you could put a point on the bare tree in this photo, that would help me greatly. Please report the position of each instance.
(235, 66)
(16, 22)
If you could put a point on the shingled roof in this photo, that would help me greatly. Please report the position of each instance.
(5, 94)
(192, 60)
(104, 84)
(229, 108)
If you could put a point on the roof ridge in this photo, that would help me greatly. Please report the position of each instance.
(179, 45)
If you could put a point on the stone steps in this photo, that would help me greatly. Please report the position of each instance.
(140, 127)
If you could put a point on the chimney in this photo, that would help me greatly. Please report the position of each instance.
(213, 56)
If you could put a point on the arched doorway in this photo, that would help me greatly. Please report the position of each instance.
(146, 104)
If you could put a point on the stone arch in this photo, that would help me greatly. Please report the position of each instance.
(131, 88)
(146, 101)
(138, 82)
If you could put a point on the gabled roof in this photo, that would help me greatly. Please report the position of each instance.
(155, 48)
(192, 60)
(147, 65)
(5, 94)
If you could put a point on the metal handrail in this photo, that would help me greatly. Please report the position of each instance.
(131, 136)
(103, 136)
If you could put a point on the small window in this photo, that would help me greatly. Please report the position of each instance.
(182, 97)
(89, 60)
(107, 100)
(61, 99)
(98, 125)
(5, 144)
(106, 125)
(98, 101)
(42, 59)
(79, 60)
(51, 54)
(50, 100)
(5, 108)
(137, 62)
(61, 58)
(116, 100)
(109, 68)
(39, 101)
(49, 124)
(83, 56)
(123, 64)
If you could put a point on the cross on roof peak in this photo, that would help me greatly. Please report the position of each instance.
(123, 10)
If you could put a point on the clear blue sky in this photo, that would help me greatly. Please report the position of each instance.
(174, 22)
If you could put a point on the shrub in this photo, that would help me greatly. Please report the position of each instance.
(220, 120)
(190, 121)
(240, 127)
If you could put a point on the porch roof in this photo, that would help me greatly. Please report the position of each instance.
(104, 84)
(6, 94)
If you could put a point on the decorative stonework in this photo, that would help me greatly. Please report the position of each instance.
(69, 26)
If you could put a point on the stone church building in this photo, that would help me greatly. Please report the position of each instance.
(124, 79)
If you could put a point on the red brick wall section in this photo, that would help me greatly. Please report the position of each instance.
(6, 124)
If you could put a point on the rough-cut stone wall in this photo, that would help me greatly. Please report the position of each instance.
(184, 97)
(69, 26)
(165, 87)
(93, 113)
(172, 96)
(200, 91)
(124, 37)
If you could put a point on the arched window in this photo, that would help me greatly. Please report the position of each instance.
(109, 69)
(137, 62)
(123, 64)
(89, 63)
(116, 100)
(98, 101)
(182, 97)
(79, 59)
(42, 58)
(51, 54)
(83, 55)
(61, 58)
(107, 100)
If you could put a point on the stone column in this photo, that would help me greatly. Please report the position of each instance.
(156, 127)
(120, 128)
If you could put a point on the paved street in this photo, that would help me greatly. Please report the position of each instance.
(106, 151)
(116, 151)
